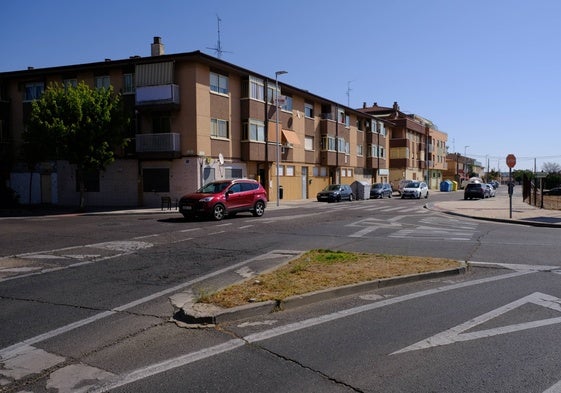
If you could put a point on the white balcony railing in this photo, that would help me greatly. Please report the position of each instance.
(154, 95)
(158, 143)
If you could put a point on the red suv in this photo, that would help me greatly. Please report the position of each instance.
(225, 197)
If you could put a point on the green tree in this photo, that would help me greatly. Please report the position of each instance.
(518, 174)
(79, 124)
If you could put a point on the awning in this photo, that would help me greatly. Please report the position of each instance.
(291, 137)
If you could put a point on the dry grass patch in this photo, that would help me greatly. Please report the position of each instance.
(322, 269)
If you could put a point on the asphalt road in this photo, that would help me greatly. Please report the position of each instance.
(84, 302)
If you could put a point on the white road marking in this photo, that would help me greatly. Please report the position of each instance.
(258, 323)
(363, 232)
(456, 334)
(183, 360)
(124, 246)
(245, 272)
(7, 351)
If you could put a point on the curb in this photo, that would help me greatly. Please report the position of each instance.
(191, 316)
(431, 206)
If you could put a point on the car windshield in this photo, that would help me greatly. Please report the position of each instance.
(413, 184)
(377, 186)
(213, 188)
(332, 187)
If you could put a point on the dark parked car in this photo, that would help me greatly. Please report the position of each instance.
(553, 191)
(381, 190)
(476, 190)
(225, 197)
(335, 193)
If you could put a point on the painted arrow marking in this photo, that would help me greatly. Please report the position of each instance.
(456, 334)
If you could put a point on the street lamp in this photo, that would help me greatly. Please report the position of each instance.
(465, 161)
(278, 136)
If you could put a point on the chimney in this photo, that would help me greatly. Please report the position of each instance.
(364, 105)
(157, 48)
(395, 106)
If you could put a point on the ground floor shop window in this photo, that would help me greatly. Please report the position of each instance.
(155, 180)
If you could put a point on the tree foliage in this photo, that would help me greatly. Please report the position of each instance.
(79, 124)
(551, 167)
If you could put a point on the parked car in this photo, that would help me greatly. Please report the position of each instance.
(381, 190)
(401, 185)
(225, 197)
(492, 191)
(553, 191)
(476, 190)
(335, 193)
(495, 183)
(415, 189)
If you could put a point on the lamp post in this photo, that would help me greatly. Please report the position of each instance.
(277, 73)
(465, 161)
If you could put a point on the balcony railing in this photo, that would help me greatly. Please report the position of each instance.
(157, 95)
(158, 145)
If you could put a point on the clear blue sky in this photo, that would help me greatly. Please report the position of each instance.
(488, 73)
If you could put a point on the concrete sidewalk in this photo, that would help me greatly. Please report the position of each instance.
(498, 209)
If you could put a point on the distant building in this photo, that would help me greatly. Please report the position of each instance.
(417, 149)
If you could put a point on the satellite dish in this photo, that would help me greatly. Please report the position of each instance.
(220, 158)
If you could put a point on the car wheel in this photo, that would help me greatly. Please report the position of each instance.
(427, 195)
(218, 212)
(338, 198)
(351, 197)
(389, 195)
(258, 209)
(419, 197)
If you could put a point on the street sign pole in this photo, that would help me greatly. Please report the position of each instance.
(510, 191)
(510, 162)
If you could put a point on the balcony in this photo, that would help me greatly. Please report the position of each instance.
(160, 95)
(159, 146)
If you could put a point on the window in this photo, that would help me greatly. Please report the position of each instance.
(161, 124)
(102, 82)
(379, 128)
(340, 115)
(308, 110)
(381, 152)
(233, 173)
(128, 83)
(272, 94)
(33, 91)
(218, 128)
(287, 106)
(254, 131)
(219, 83)
(280, 169)
(256, 89)
(347, 120)
(342, 146)
(91, 181)
(308, 143)
(155, 180)
(359, 150)
(329, 143)
(68, 83)
(290, 170)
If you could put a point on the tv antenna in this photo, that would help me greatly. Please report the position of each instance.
(218, 49)
(349, 93)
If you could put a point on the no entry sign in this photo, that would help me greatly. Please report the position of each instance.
(511, 160)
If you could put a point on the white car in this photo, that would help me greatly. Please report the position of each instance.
(492, 191)
(415, 189)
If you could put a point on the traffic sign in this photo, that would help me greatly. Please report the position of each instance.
(511, 160)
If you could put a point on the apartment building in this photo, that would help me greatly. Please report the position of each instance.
(196, 118)
(417, 149)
